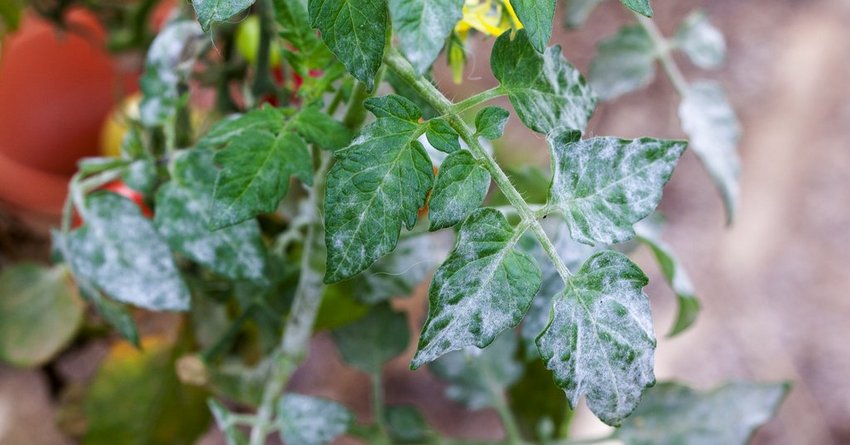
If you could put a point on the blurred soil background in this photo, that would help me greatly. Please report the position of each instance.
(774, 286)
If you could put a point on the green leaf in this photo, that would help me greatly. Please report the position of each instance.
(169, 62)
(261, 151)
(377, 184)
(40, 312)
(490, 122)
(639, 6)
(484, 287)
(373, 340)
(701, 41)
(536, 17)
(624, 62)
(308, 50)
(576, 12)
(442, 136)
(539, 406)
(119, 251)
(675, 275)
(422, 27)
(604, 185)
(209, 11)
(226, 423)
(130, 378)
(317, 127)
(573, 254)
(397, 274)
(673, 414)
(546, 91)
(599, 342)
(355, 31)
(461, 186)
(405, 424)
(305, 420)
(714, 131)
(182, 212)
(477, 378)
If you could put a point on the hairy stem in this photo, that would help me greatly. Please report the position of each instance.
(662, 47)
(478, 99)
(436, 99)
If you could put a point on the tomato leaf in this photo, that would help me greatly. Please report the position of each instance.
(441, 136)
(536, 17)
(490, 122)
(484, 287)
(624, 62)
(546, 91)
(604, 185)
(183, 207)
(422, 27)
(355, 31)
(461, 186)
(305, 420)
(378, 184)
(599, 341)
(714, 131)
(405, 424)
(120, 251)
(672, 414)
(701, 41)
(639, 6)
(209, 11)
(373, 340)
(40, 312)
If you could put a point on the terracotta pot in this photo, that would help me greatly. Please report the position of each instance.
(56, 89)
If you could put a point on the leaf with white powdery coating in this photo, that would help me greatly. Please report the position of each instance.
(701, 41)
(536, 16)
(604, 185)
(442, 136)
(119, 251)
(460, 188)
(599, 342)
(625, 62)
(714, 131)
(377, 184)
(490, 122)
(209, 11)
(355, 31)
(305, 420)
(182, 210)
(422, 27)
(483, 288)
(673, 414)
(546, 91)
(639, 6)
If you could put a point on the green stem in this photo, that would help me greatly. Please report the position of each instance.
(378, 408)
(356, 114)
(662, 48)
(478, 99)
(263, 83)
(402, 68)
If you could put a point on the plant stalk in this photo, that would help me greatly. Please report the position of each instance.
(662, 47)
(478, 99)
(433, 96)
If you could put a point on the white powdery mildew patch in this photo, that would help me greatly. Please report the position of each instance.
(423, 26)
(600, 342)
(305, 420)
(605, 185)
(483, 288)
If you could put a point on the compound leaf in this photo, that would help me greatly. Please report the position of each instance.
(305, 420)
(120, 251)
(484, 287)
(461, 186)
(600, 342)
(378, 184)
(183, 208)
(673, 414)
(355, 31)
(714, 131)
(625, 62)
(422, 27)
(604, 185)
(373, 340)
(545, 90)
(536, 16)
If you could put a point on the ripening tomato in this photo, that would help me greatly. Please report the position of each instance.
(120, 188)
(248, 42)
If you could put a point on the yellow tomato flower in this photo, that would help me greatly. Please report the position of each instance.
(490, 17)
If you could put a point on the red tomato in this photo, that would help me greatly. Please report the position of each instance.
(119, 188)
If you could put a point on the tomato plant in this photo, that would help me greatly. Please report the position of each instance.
(316, 209)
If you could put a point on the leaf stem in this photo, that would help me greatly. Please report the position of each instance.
(662, 47)
(478, 99)
(433, 96)
(263, 82)
(378, 408)
(584, 441)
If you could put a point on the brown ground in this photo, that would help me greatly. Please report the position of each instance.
(773, 286)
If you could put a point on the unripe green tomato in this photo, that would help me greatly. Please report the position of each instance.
(248, 42)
